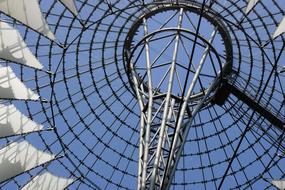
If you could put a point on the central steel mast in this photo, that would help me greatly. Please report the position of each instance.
(169, 98)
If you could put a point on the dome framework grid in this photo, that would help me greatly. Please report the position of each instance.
(90, 97)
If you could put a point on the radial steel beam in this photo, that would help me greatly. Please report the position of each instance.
(228, 88)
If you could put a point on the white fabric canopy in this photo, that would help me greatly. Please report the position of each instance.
(12, 88)
(19, 157)
(48, 181)
(250, 6)
(280, 30)
(14, 49)
(279, 184)
(27, 12)
(70, 5)
(13, 122)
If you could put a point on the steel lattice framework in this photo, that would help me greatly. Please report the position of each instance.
(167, 116)
(141, 94)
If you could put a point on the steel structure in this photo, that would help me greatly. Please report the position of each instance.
(128, 94)
(167, 113)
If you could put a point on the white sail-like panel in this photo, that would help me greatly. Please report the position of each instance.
(13, 122)
(280, 30)
(250, 6)
(279, 184)
(47, 181)
(19, 157)
(70, 5)
(29, 13)
(14, 49)
(12, 88)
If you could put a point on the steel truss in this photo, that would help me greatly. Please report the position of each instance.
(166, 117)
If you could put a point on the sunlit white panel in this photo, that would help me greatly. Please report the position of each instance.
(13, 122)
(14, 49)
(48, 181)
(70, 5)
(251, 4)
(279, 184)
(12, 88)
(29, 13)
(19, 157)
(280, 30)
